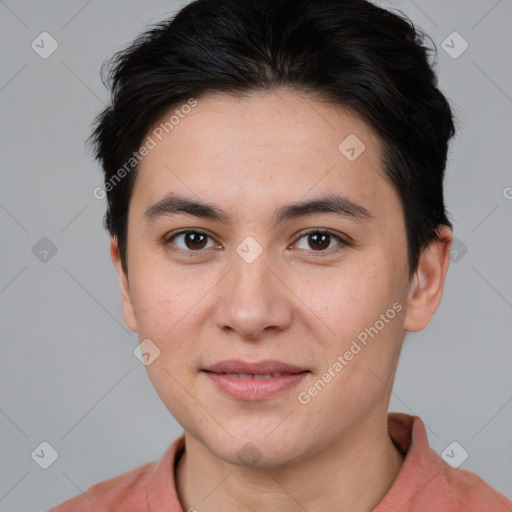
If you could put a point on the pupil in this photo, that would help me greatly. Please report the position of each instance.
(324, 237)
(195, 239)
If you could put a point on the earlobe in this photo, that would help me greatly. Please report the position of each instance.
(426, 288)
(126, 300)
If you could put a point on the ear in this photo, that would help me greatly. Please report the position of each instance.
(426, 287)
(128, 312)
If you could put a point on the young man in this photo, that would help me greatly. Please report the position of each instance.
(274, 175)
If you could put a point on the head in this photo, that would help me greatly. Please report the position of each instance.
(302, 144)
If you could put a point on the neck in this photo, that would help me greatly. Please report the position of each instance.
(353, 475)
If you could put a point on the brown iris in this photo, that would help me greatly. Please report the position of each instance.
(195, 240)
(321, 240)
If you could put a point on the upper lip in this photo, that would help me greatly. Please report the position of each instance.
(260, 368)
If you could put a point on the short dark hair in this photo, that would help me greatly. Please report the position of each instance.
(348, 52)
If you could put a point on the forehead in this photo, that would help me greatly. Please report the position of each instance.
(263, 148)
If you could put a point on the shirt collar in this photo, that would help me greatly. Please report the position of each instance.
(407, 433)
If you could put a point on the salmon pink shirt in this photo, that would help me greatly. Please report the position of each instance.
(425, 483)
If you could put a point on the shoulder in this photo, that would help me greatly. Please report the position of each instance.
(458, 489)
(471, 492)
(118, 494)
(427, 483)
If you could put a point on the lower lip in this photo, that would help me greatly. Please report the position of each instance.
(254, 389)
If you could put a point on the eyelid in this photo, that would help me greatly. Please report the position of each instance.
(168, 241)
(312, 231)
(342, 242)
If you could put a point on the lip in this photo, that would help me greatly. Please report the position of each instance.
(252, 385)
(261, 368)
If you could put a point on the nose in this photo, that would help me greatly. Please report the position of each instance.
(253, 299)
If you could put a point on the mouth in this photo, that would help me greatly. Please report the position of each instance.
(254, 381)
(253, 375)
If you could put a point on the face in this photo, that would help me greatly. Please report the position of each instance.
(246, 278)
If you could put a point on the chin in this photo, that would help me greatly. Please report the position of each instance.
(252, 446)
(251, 455)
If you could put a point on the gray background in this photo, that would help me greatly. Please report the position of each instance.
(68, 373)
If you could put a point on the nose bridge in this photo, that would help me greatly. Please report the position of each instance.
(252, 298)
(251, 271)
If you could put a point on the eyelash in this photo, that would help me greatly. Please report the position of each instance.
(313, 254)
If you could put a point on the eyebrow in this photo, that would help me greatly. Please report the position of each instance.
(331, 203)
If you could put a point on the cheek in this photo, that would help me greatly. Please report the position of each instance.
(167, 307)
(163, 308)
(160, 297)
(349, 298)
(363, 310)
(153, 308)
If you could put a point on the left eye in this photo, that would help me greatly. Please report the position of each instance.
(320, 240)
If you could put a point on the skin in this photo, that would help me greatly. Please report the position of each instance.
(250, 156)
